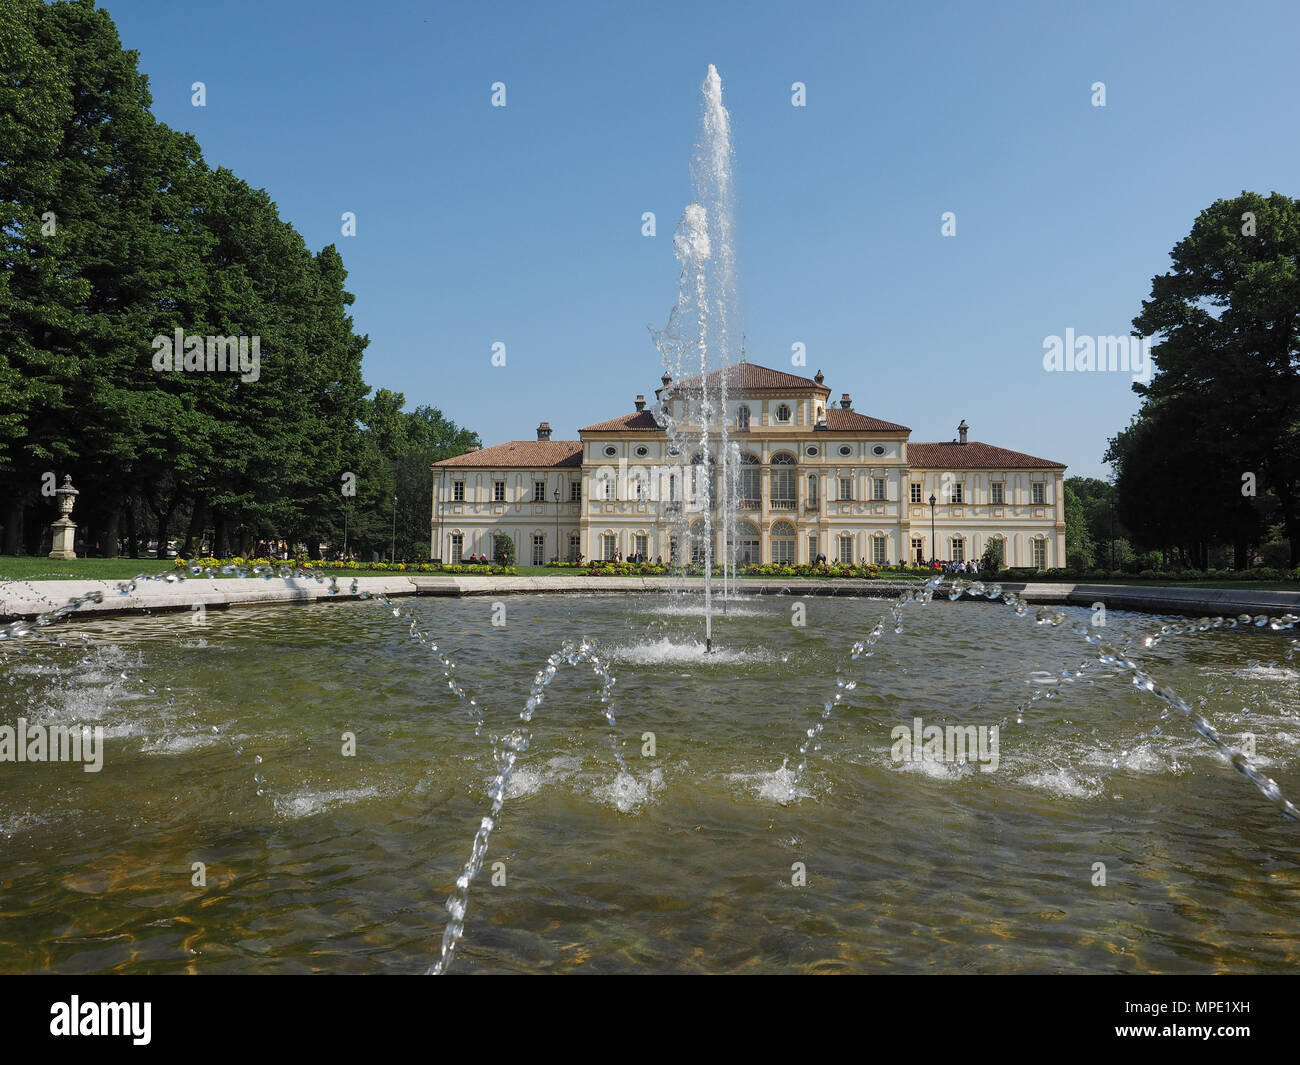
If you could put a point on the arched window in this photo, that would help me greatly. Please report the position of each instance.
(783, 543)
(958, 552)
(783, 474)
(702, 484)
(846, 549)
(879, 549)
(812, 489)
(742, 418)
(750, 481)
(699, 536)
(744, 549)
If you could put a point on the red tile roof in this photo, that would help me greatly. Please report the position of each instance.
(973, 456)
(841, 420)
(520, 454)
(750, 377)
(639, 421)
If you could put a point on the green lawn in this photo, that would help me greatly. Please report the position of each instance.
(83, 569)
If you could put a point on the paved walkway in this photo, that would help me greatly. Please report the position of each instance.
(30, 598)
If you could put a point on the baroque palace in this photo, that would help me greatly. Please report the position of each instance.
(814, 479)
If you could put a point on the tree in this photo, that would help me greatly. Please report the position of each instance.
(992, 559)
(1223, 406)
(503, 550)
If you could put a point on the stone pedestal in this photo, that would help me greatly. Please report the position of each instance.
(64, 535)
(64, 529)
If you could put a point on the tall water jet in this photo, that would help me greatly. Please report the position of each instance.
(696, 347)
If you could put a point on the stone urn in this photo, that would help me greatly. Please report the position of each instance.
(64, 530)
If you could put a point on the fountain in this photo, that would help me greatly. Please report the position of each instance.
(698, 338)
(222, 754)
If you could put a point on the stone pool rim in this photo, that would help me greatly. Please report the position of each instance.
(33, 598)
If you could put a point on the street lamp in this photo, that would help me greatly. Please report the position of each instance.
(392, 557)
(933, 544)
(557, 525)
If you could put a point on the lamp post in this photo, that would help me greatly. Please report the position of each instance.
(392, 557)
(557, 525)
(933, 544)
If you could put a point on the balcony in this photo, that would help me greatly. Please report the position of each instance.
(784, 504)
(750, 504)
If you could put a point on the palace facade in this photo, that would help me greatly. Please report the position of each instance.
(814, 478)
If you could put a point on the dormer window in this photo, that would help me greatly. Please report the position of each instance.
(742, 418)
(783, 412)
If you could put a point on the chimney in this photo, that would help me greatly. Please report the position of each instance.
(819, 377)
(640, 402)
(544, 431)
(962, 429)
(845, 402)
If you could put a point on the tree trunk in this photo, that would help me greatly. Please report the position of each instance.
(108, 534)
(198, 520)
(1287, 501)
(220, 536)
(13, 527)
(132, 543)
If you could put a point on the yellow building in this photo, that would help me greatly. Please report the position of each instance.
(814, 478)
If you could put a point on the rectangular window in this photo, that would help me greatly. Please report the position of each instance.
(1038, 493)
(1040, 554)
(609, 543)
(575, 546)
(458, 491)
(498, 491)
(878, 546)
(846, 487)
(997, 492)
(575, 491)
(846, 550)
(539, 550)
(916, 492)
(783, 552)
(539, 491)
(457, 548)
(877, 488)
(641, 545)
(918, 549)
(957, 493)
(958, 549)
(812, 549)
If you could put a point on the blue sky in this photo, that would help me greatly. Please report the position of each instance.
(522, 224)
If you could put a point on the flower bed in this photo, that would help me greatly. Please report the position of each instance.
(472, 569)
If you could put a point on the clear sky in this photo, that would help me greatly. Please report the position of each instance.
(522, 225)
